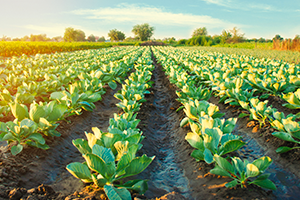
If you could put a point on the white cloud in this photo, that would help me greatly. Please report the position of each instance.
(237, 4)
(153, 15)
(225, 3)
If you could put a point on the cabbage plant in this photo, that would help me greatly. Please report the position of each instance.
(293, 100)
(109, 159)
(244, 173)
(196, 109)
(213, 137)
(288, 130)
(20, 133)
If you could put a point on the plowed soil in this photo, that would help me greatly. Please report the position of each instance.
(174, 174)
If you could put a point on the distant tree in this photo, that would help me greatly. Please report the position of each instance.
(72, 35)
(16, 39)
(261, 40)
(277, 37)
(182, 41)
(40, 37)
(236, 36)
(80, 35)
(200, 32)
(57, 39)
(225, 35)
(25, 38)
(216, 39)
(169, 40)
(143, 31)
(91, 38)
(5, 38)
(116, 35)
(101, 39)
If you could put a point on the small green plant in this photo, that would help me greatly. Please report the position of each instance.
(213, 138)
(107, 168)
(20, 134)
(293, 100)
(197, 109)
(288, 130)
(243, 172)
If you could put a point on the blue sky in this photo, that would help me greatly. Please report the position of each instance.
(171, 18)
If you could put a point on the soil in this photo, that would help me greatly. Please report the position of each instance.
(174, 174)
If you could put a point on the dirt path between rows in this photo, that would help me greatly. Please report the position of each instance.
(174, 171)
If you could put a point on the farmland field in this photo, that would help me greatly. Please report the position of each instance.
(107, 88)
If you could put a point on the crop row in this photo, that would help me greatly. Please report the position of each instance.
(18, 48)
(27, 79)
(110, 157)
(211, 136)
(241, 84)
(66, 94)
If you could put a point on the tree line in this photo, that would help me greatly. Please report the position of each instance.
(142, 32)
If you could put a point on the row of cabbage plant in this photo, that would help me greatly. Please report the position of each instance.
(27, 79)
(235, 90)
(211, 135)
(266, 76)
(35, 121)
(110, 157)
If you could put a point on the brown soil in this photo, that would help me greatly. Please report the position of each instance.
(174, 174)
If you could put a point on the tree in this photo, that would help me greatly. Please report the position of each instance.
(225, 36)
(131, 39)
(236, 36)
(261, 40)
(277, 37)
(200, 32)
(5, 38)
(91, 38)
(143, 31)
(57, 39)
(80, 35)
(72, 35)
(101, 39)
(169, 40)
(116, 35)
(25, 38)
(40, 37)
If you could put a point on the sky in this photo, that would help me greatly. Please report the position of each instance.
(170, 18)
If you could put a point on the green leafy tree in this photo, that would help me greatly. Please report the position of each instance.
(91, 38)
(236, 36)
(200, 32)
(225, 36)
(40, 37)
(116, 35)
(101, 39)
(261, 40)
(80, 35)
(72, 35)
(170, 40)
(143, 31)
(278, 37)
(182, 41)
